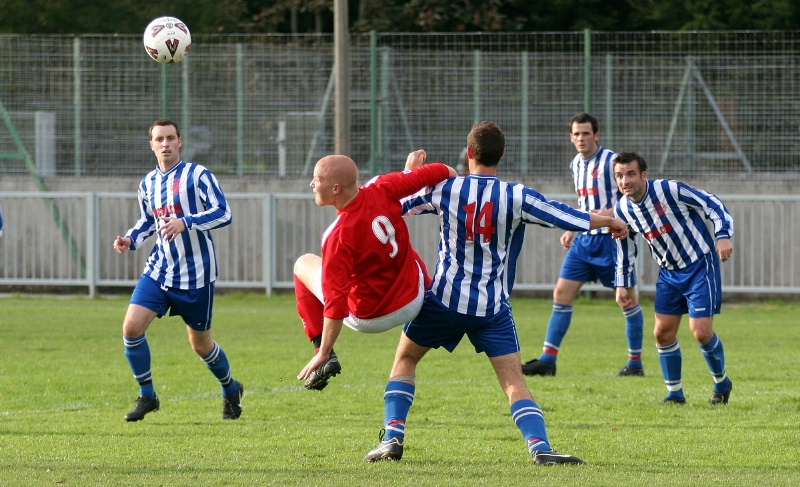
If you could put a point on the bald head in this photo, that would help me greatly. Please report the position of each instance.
(335, 181)
(340, 169)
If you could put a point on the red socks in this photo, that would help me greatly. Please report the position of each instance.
(309, 308)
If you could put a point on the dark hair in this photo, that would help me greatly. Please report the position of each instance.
(163, 122)
(584, 117)
(626, 157)
(487, 142)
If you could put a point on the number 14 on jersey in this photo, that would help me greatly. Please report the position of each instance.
(482, 224)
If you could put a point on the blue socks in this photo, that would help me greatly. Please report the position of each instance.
(559, 324)
(715, 358)
(634, 324)
(671, 359)
(530, 421)
(137, 351)
(557, 327)
(217, 363)
(397, 399)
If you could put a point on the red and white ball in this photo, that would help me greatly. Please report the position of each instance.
(167, 39)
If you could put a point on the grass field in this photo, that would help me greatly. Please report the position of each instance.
(65, 386)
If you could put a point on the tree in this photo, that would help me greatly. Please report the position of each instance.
(115, 16)
(316, 16)
(715, 15)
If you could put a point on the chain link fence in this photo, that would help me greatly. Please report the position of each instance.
(693, 103)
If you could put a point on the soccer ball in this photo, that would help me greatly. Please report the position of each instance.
(167, 39)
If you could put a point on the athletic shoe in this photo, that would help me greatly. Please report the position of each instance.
(552, 457)
(674, 400)
(319, 378)
(631, 371)
(538, 367)
(232, 406)
(142, 406)
(720, 397)
(386, 450)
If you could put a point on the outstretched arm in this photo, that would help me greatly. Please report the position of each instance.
(619, 229)
(417, 159)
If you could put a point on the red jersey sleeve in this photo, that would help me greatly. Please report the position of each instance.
(405, 183)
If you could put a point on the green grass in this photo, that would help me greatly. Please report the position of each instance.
(65, 386)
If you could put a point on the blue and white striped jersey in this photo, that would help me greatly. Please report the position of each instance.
(672, 219)
(1, 221)
(481, 233)
(190, 192)
(595, 183)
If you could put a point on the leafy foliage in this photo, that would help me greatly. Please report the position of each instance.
(310, 16)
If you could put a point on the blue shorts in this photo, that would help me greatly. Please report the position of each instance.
(591, 258)
(438, 326)
(193, 305)
(696, 289)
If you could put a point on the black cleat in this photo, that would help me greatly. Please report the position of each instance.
(538, 367)
(631, 372)
(142, 406)
(319, 378)
(674, 400)
(386, 450)
(232, 406)
(552, 457)
(720, 397)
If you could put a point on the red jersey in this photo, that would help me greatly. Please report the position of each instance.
(368, 266)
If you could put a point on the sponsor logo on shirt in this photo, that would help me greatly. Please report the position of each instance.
(657, 232)
(173, 210)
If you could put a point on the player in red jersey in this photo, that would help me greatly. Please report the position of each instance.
(368, 277)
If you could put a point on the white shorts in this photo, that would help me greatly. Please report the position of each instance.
(381, 323)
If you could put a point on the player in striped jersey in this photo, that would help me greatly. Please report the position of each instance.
(368, 276)
(671, 216)
(1, 221)
(590, 255)
(180, 203)
(482, 224)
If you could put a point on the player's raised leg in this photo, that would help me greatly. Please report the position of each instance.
(310, 308)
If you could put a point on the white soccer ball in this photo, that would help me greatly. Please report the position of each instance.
(167, 39)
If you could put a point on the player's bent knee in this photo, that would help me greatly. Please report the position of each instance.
(306, 264)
